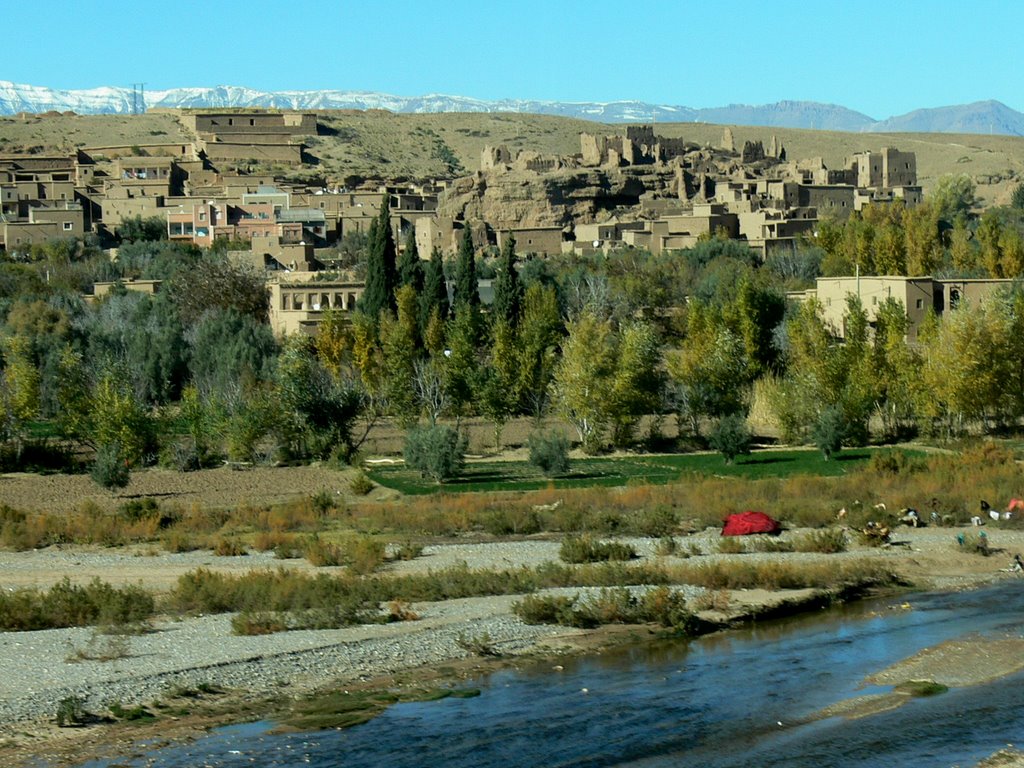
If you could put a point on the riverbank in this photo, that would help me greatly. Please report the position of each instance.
(193, 673)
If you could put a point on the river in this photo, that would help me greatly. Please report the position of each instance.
(739, 698)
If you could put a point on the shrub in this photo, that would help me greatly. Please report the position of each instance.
(731, 437)
(407, 550)
(713, 600)
(70, 605)
(110, 469)
(827, 541)
(547, 609)
(102, 648)
(360, 484)
(323, 554)
(667, 545)
(364, 554)
(829, 432)
(584, 549)
(228, 547)
(521, 522)
(478, 645)
(257, 623)
(323, 501)
(435, 451)
(731, 545)
(549, 452)
(71, 711)
(767, 544)
(132, 714)
(890, 463)
(399, 610)
(658, 520)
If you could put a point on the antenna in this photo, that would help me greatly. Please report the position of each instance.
(138, 98)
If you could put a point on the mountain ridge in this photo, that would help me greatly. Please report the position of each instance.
(988, 116)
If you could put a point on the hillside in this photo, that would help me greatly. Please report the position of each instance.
(382, 144)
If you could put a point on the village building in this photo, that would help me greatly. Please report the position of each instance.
(919, 296)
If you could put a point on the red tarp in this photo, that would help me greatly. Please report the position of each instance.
(744, 523)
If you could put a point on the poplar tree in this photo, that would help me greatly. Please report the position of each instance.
(381, 272)
(467, 288)
(435, 291)
(508, 290)
(410, 268)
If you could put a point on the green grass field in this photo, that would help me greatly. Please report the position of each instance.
(655, 470)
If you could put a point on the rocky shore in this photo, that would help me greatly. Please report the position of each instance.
(39, 669)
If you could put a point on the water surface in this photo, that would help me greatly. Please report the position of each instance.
(732, 699)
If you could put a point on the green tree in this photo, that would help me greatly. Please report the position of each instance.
(494, 389)
(710, 372)
(953, 195)
(540, 334)
(118, 419)
(467, 288)
(460, 362)
(136, 228)
(399, 347)
(434, 297)
(437, 452)
(20, 389)
(1017, 197)
(410, 267)
(316, 410)
(381, 269)
(731, 437)
(549, 452)
(583, 378)
(508, 290)
(228, 347)
(637, 387)
(829, 432)
(216, 283)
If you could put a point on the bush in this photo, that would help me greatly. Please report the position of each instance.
(71, 711)
(257, 623)
(731, 545)
(659, 520)
(549, 452)
(323, 501)
(584, 549)
(110, 469)
(890, 463)
(829, 432)
(435, 451)
(828, 541)
(731, 437)
(667, 545)
(228, 547)
(360, 484)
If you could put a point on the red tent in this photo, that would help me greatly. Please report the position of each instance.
(744, 523)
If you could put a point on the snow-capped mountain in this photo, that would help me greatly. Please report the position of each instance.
(15, 97)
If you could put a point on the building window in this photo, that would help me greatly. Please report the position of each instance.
(68, 226)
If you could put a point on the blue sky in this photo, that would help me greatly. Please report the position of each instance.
(880, 58)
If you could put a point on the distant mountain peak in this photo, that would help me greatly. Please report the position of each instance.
(988, 116)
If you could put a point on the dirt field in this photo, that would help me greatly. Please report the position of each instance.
(217, 488)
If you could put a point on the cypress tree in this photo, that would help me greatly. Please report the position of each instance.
(410, 268)
(381, 272)
(467, 288)
(508, 290)
(435, 290)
